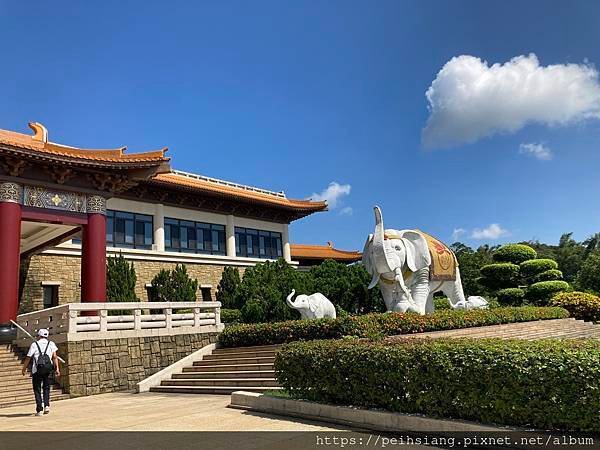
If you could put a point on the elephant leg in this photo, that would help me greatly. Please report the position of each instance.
(454, 290)
(429, 306)
(420, 290)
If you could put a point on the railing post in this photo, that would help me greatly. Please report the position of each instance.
(103, 320)
(72, 327)
(217, 315)
(137, 319)
(196, 317)
(168, 317)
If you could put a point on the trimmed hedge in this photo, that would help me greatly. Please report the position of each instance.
(500, 275)
(380, 324)
(514, 253)
(542, 292)
(534, 267)
(580, 305)
(548, 275)
(510, 296)
(550, 384)
(231, 315)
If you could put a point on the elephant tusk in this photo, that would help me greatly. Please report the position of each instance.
(374, 281)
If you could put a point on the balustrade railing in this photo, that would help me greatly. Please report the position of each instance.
(79, 321)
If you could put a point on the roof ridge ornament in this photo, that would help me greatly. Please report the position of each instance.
(41, 133)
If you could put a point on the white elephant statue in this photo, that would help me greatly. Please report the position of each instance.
(410, 266)
(315, 306)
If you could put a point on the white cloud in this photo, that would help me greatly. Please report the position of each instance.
(539, 151)
(332, 194)
(470, 99)
(457, 233)
(346, 211)
(493, 231)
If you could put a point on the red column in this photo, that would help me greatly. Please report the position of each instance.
(10, 252)
(93, 259)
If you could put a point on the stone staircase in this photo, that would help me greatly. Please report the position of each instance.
(15, 389)
(226, 370)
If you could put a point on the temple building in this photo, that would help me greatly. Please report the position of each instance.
(312, 255)
(64, 209)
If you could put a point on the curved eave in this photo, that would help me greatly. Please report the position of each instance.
(317, 252)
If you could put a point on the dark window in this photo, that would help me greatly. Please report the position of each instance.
(258, 244)
(194, 237)
(128, 230)
(206, 294)
(50, 293)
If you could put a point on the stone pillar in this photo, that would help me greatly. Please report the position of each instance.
(159, 227)
(285, 237)
(10, 252)
(93, 252)
(230, 237)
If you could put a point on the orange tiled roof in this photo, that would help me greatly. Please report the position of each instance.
(304, 251)
(202, 184)
(39, 144)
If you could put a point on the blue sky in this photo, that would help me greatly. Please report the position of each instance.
(297, 95)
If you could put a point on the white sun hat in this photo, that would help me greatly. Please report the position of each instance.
(43, 333)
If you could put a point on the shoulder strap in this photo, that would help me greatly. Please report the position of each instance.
(39, 349)
(47, 345)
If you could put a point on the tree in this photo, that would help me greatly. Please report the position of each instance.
(227, 288)
(588, 277)
(174, 286)
(470, 263)
(120, 280)
(569, 256)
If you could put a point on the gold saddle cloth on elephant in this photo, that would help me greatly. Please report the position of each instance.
(443, 261)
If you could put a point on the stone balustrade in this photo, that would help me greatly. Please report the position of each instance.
(86, 321)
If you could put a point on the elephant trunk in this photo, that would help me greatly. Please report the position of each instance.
(400, 280)
(289, 299)
(383, 262)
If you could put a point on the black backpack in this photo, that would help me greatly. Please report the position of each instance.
(44, 364)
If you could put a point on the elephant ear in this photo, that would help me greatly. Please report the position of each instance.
(417, 250)
(312, 304)
(366, 256)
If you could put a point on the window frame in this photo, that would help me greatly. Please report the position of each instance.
(264, 244)
(202, 232)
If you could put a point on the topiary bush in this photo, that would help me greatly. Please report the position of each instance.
(581, 305)
(541, 293)
(548, 275)
(514, 253)
(551, 384)
(510, 296)
(500, 275)
(533, 267)
(386, 324)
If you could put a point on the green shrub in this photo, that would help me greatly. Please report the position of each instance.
(231, 315)
(441, 303)
(511, 296)
(550, 384)
(227, 287)
(548, 275)
(514, 253)
(588, 277)
(174, 286)
(264, 288)
(387, 324)
(346, 287)
(500, 275)
(541, 293)
(580, 305)
(120, 280)
(534, 267)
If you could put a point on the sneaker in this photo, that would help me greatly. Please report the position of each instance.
(41, 413)
(47, 410)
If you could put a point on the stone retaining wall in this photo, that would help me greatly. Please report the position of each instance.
(109, 365)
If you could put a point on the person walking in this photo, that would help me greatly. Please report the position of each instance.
(45, 362)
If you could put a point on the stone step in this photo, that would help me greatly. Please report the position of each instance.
(228, 375)
(23, 390)
(9, 358)
(232, 361)
(222, 390)
(236, 355)
(29, 399)
(228, 367)
(239, 382)
(273, 347)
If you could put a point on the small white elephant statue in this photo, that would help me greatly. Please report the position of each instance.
(402, 262)
(315, 306)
